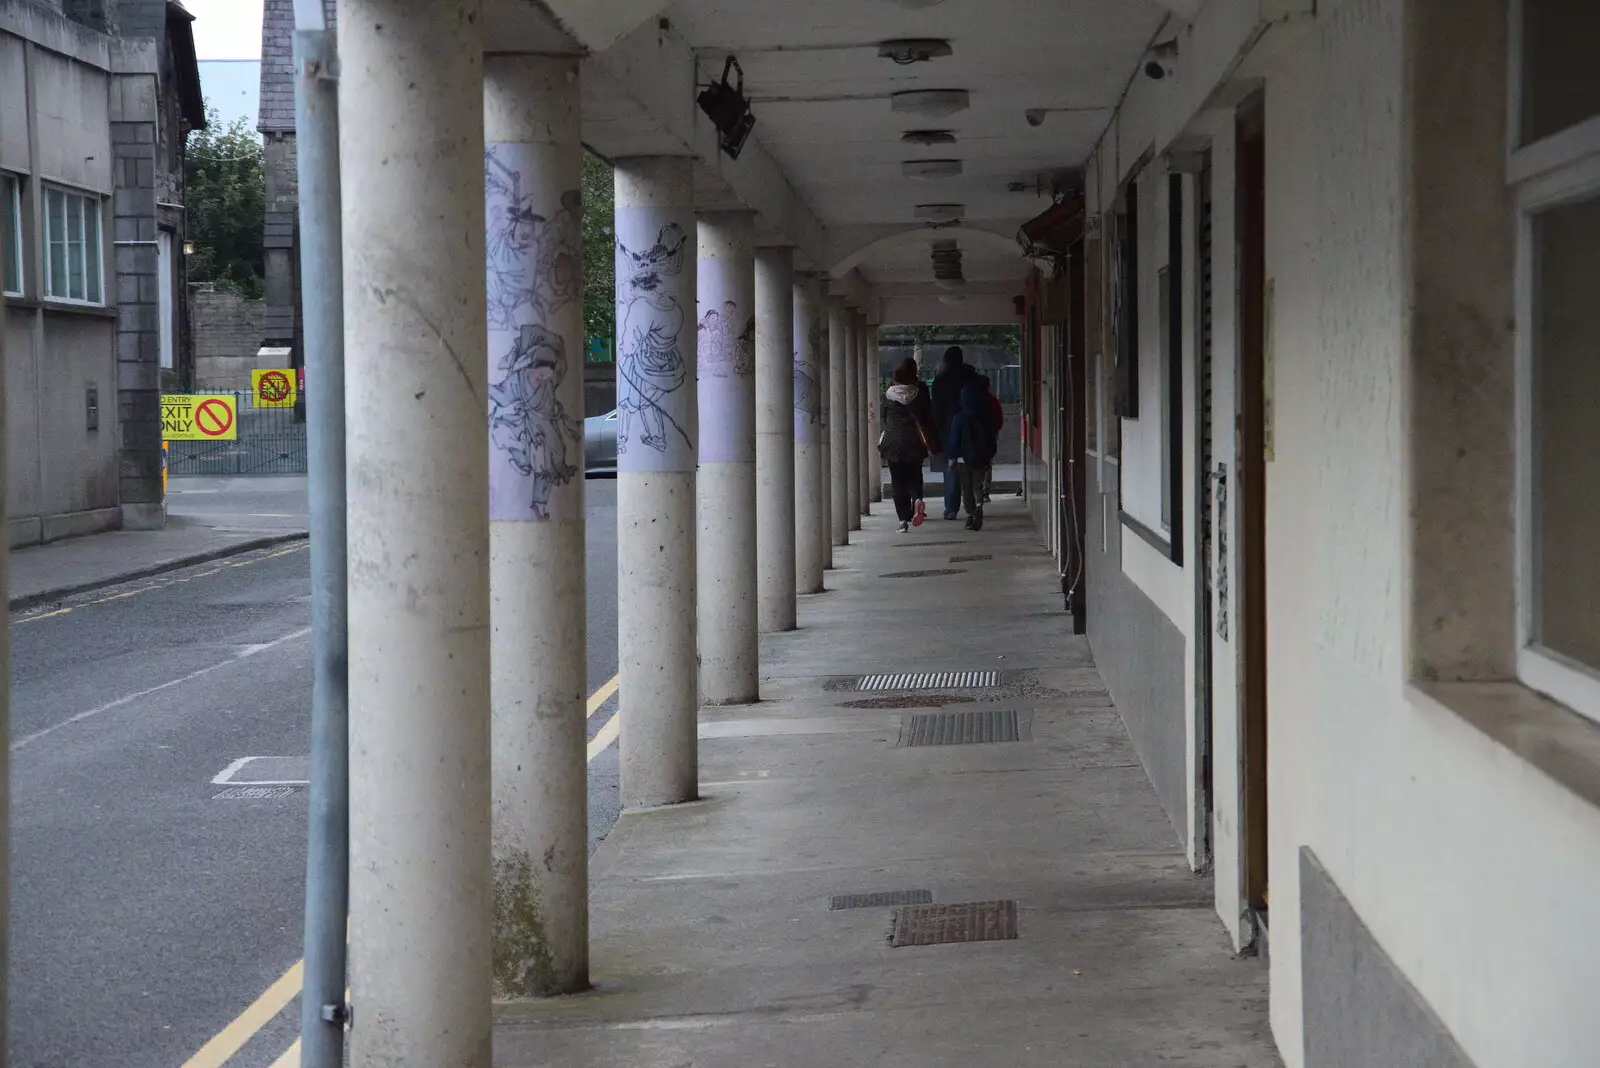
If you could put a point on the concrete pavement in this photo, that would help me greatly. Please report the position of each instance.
(714, 943)
(207, 519)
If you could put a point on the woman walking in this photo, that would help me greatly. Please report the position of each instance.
(907, 420)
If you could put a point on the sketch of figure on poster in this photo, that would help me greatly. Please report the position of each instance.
(650, 363)
(528, 424)
(535, 265)
(723, 352)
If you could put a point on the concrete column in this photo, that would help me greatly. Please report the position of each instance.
(5, 721)
(411, 145)
(726, 491)
(810, 436)
(864, 423)
(533, 168)
(657, 430)
(852, 419)
(874, 460)
(775, 427)
(839, 506)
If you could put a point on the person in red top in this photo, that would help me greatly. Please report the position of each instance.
(997, 410)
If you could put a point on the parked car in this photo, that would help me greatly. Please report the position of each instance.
(600, 443)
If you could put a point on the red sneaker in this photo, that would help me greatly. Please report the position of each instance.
(920, 514)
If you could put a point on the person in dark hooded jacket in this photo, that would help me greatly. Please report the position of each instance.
(971, 446)
(947, 385)
(907, 439)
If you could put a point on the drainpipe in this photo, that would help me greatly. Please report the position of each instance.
(323, 1011)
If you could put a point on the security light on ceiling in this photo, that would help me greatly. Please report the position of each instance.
(939, 212)
(914, 50)
(925, 170)
(725, 105)
(934, 103)
(928, 137)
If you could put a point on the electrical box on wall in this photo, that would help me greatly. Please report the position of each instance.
(91, 407)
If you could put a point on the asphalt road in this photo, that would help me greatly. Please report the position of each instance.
(150, 907)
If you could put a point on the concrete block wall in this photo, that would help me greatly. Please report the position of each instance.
(226, 332)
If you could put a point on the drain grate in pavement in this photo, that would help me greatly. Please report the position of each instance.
(961, 728)
(930, 680)
(879, 900)
(911, 700)
(932, 925)
(925, 574)
(971, 559)
(927, 544)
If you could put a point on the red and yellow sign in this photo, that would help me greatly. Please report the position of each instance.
(197, 417)
(273, 388)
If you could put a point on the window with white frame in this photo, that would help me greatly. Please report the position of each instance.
(1555, 164)
(73, 270)
(11, 235)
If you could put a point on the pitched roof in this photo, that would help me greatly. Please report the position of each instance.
(277, 63)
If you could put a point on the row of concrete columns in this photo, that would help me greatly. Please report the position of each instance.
(744, 456)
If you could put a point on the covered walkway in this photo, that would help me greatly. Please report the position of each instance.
(712, 938)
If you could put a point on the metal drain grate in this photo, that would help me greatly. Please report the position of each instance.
(879, 900)
(929, 544)
(932, 925)
(961, 728)
(971, 559)
(925, 574)
(930, 680)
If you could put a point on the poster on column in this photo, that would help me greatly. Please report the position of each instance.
(656, 417)
(726, 361)
(535, 289)
(810, 342)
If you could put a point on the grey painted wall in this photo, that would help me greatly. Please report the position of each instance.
(1140, 654)
(1359, 1008)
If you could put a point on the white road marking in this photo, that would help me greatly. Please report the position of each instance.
(243, 654)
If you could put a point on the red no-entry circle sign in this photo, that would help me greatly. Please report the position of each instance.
(213, 418)
(275, 387)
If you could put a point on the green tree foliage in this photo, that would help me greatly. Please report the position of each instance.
(226, 200)
(599, 250)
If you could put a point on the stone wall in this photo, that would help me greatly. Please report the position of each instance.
(226, 331)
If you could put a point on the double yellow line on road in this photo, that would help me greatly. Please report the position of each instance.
(232, 1038)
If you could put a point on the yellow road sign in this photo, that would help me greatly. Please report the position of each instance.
(191, 417)
(273, 388)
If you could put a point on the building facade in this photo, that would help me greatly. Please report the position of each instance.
(96, 101)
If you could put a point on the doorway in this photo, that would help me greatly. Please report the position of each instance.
(1251, 463)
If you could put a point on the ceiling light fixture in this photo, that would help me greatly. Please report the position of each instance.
(939, 213)
(934, 103)
(908, 50)
(924, 170)
(728, 109)
(928, 137)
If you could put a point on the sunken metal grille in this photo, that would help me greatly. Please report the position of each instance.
(930, 680)
(929, 544)
(879, 900)
(931, 925)
(971, 559)
(925, 574)
(961, 728)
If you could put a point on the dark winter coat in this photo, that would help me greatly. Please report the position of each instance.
(907, 420)
(973, 436)
(947, 386)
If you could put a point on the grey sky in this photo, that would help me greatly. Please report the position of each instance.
(226, 29)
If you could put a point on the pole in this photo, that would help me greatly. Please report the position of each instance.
(534, 164)
(421, 891)
(775, 442)
(725, 486)
(810, 435)
(657, 433)
(874, 460)
(322, 1005)
(839, 506)
(852, 418)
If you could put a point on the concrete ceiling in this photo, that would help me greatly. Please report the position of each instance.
(821, 93)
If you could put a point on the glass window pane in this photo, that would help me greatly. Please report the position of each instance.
(56, 246)
(1560, 39)
(1566, 434)
(10, 229)
(92, 250)
(75, 285)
